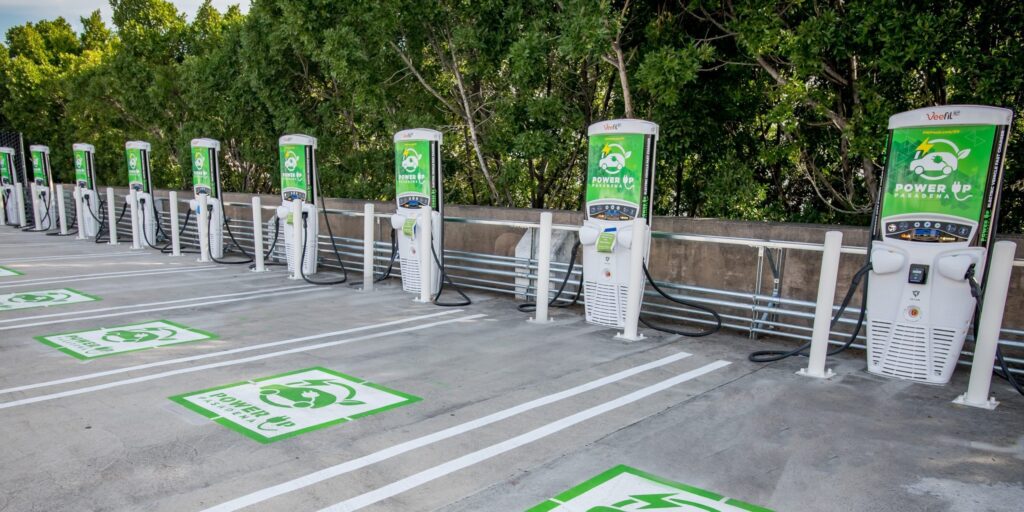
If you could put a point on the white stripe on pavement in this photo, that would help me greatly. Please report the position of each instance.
(72, 257)
(108, 275)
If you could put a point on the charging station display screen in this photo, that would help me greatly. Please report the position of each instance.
(412, 173)
(37, 168)
(136, 174)
(5, 169)
(202, 171)
(616, 187)
(293, 170)
(942, 170)
(82, 168)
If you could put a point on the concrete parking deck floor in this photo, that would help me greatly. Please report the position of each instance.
(471, 409)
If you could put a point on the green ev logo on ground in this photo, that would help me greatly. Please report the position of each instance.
(36, 298)
(307, 394)
(144, 335)
(93, 343)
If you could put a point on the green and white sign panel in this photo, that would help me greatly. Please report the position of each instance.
(620, 169)
(202, 174)
(293, 168)
(135, 174)
(38, 154)
(6, 272)
(286, 405)
(412, 168)
(625, 489)
(82, 168)
(43, 298)
(93, 343)
(5, 168)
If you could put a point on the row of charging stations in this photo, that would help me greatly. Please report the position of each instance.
(930, 230)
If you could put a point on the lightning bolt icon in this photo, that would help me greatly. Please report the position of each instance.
(405, 153)
(924, 147)
(605, 150)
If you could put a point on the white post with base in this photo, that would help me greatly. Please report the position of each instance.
(543, 269)
(133, 205)
(204, 227)
(111, 217)
(257, 234)
(634, 295)
(368, 240)
(175, 236)
(19, 196)
(62, 217)
(994, 305)
(297, 233)
(77, 193)
(823, 309)
(426, 268)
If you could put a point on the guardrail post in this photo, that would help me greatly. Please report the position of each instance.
(994, 305)
(111, 217)
(19, 197)
(368, 240)
(426, 265)
(204, 227)
(297, 236)
(175, 235)
(133, 205)
(634, 295)
(62, 217)
(823, 309)
(543, 269)
(77, 193)
(257, 234)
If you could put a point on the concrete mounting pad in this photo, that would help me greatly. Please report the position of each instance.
(381, 403)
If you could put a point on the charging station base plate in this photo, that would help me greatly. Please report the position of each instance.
(827, 375)
(989, 404)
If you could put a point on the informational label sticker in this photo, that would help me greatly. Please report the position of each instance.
(93, 343)
(82, 168)
(624, 489)
(282, 406)
(202, 176)
(615, 168)
(412, 168)
(293, 168)
(409, 227)
(43, 298)
(605, 242)
(135, 174)
(6, 272)
(940, 170)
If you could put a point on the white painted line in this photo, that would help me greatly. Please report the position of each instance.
(220, 353)
(72, 257)
(198, 300)
(192, 369)
(436, 437)
(108, 275)
(442, 470)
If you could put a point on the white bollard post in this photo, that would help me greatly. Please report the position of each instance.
(3, 212)
(426, 264)
(133, 205)
(111, 217)
(175, 236)
(19, 198)
(543, 268)
(61, 215)
(79, 211)
(204, 228)
(37, 218)
(994, 305)
(297, 235)
(823, 310)
(634, 296)
(368, 240)
(257, 234)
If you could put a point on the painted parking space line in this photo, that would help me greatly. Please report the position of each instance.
(231, 362)
(191, 302)
(494, 450)
(73, 257)
(108, 275)
(441, 435)
(626, 489)
(43, 299)
(220, 353)
(122, 339)
(6, 272)
(289, 404)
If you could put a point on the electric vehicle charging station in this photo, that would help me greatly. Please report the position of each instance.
(87, 199)
(206, 181)
(44, 208)
(620, 187)
(299, 189)
(140, 179)
(8, 183)
(418, 184)
(930, 235)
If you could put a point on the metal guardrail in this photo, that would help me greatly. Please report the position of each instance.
(752, 313)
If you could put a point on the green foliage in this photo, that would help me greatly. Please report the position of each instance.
(769, 109)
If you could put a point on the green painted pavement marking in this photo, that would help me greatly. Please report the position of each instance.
(6, 272)
(107, 341)
(286, 405)
(43, 298)
(625, 489)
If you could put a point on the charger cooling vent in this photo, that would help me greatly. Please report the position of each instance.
(911, 352)
(605, 304)
(410, 275)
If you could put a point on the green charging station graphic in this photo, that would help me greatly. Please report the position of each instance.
(625, 489)
(38, 172)
(293, 169)
(82, 168)
(5, 171)
(286, 405)
(43, 298)
(6, 272)
(202, 172)
(107, 341)
(412, 169)
(616, 169)
(136, 175)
